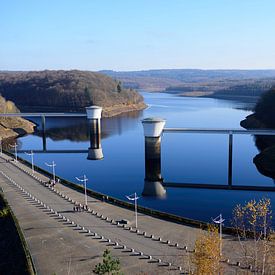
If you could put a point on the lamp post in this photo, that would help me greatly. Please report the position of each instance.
(53, 164)
(31, 154)
(84, 180)
(15, 150)
(1, 149)
(135, 198)
(219, 220)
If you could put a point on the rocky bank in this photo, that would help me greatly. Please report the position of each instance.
(11, 127)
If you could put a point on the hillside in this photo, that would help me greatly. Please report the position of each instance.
(63, 91)
(245, 89)
(264, 118)
(248, 90)
(188, 80)
(12, 126)
(264, 113)
(265, 109)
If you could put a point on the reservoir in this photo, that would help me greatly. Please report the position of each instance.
(186, 158)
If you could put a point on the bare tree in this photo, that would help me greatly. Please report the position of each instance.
(252, 222)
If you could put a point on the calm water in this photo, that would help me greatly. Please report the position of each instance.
(192, 158)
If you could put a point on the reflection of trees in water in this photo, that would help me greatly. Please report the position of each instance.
(76, 129)
(245, 105)
(264, 142)
(65, 129)
(118, 124)
(76, 132)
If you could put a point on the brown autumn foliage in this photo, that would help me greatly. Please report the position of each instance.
(64, 90)
(206, 258)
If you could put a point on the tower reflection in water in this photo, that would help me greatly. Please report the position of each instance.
(94, 117)
(153, 181)
(93, 128)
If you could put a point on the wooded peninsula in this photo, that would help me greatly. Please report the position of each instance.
(68, 91)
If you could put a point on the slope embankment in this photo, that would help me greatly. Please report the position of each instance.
(12, 127)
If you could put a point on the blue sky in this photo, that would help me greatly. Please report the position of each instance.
(137, 34)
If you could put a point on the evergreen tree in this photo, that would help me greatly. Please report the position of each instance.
(119, 89)
(109, 265)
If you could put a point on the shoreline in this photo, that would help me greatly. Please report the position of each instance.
(238, 98)
(27, 127)
(106, 113)
(241, 98)
(121, 109)
(165, 216)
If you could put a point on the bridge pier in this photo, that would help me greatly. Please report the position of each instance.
(153, 181)
(44, 141)
(94, 117)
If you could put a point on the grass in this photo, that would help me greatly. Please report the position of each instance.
(15, 256)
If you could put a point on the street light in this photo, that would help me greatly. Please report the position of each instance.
(135, 198)
(15, 150)
(85, 179)
(31, 154)
(219, 220)
(53, 166)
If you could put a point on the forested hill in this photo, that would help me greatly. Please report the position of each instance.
(264, 117)
(265, 109)
(61, 91)
(188, 80)
(253, 88)
(264, 113)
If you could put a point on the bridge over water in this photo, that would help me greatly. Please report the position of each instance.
(154, 184)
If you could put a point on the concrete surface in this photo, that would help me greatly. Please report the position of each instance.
(58, 246)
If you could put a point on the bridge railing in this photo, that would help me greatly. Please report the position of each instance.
(43, 116)
(230, 133)
(93, 115)
(154, 129)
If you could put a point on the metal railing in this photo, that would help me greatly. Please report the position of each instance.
(43, 119)
(43, 114)
(265, 132)
(230, 133)
(47, 151)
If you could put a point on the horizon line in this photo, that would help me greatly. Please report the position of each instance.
(138, 70)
